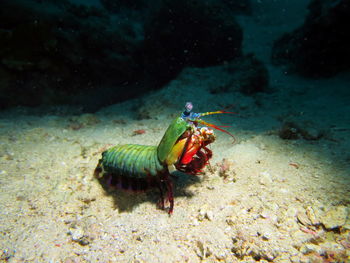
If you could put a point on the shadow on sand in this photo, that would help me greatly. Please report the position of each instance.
(126, 200)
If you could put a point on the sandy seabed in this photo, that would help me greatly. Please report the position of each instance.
(266, 198)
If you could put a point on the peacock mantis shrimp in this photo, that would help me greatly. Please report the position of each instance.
(182, 148)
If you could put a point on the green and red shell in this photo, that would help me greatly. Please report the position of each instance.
(139, 167)
(175, 130)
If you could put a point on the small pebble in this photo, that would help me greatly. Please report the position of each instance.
(265, 178)
(310, 212)
(335, 217)
(76, 233)
(195, 222)
(303, 219)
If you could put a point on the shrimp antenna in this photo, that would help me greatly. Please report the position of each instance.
(188, 114)
(215, 112)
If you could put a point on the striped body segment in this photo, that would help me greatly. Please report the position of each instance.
(131, 167)
(132, 160)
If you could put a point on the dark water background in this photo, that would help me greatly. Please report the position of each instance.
(96, 53)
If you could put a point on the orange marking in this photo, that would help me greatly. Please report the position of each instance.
(295, 165)
(138, 132)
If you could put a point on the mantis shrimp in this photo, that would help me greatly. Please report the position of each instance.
(182, 148)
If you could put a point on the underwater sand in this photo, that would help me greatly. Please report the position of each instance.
(247, 207)
(264, 199)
